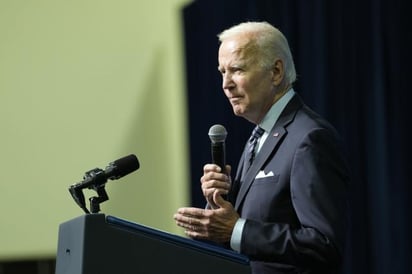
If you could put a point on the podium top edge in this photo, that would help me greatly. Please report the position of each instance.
(200, 246)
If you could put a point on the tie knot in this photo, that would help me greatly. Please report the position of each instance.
(256, 133)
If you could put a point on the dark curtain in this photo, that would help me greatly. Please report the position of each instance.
(351, 58)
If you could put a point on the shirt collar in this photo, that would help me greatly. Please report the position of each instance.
(274, 112)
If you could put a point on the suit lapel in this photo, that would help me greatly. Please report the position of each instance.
(271, 144)
(236, 182)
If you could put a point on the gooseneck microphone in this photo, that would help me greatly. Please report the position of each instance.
(217, 135)
(96, 179)
(115, 170)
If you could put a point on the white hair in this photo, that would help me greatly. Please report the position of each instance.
(270, 43)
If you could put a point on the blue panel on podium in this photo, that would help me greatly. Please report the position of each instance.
(96, 244)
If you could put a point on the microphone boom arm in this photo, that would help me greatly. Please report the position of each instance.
(94, 179)
(97, 178)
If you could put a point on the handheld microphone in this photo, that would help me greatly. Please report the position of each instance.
(217, 135)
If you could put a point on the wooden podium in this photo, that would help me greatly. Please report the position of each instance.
(99, 244)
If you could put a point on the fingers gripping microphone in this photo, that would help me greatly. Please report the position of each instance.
(217, 135)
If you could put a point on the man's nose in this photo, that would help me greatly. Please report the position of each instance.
(227, 81)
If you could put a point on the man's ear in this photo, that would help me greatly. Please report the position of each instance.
(278, 72)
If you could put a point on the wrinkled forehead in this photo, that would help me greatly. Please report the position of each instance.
(239, 47)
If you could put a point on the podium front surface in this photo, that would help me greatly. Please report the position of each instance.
(99, 244)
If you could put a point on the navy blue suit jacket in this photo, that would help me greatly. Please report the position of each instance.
(295, 210)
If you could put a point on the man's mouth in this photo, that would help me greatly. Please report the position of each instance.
(235, 99)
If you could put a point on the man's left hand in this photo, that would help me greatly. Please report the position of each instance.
(209, 224)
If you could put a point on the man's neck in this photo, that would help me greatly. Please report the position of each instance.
(279, 94)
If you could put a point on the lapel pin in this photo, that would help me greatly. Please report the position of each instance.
(276, 134)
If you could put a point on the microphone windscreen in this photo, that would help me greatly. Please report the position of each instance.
(217, 133)
(124, 166)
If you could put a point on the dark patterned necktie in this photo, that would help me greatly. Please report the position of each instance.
(251, 146)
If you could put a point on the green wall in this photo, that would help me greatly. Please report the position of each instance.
(83, 83)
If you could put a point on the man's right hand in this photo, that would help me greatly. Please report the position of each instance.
(214, 180)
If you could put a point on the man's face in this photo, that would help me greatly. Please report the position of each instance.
(248, 86)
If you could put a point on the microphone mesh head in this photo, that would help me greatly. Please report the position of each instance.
(125, 165)
(217, 133)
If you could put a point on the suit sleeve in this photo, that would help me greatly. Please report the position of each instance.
(318, 181)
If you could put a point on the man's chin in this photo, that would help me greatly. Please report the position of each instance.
(238, 113)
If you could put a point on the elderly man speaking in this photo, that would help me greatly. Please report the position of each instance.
(286, 206)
